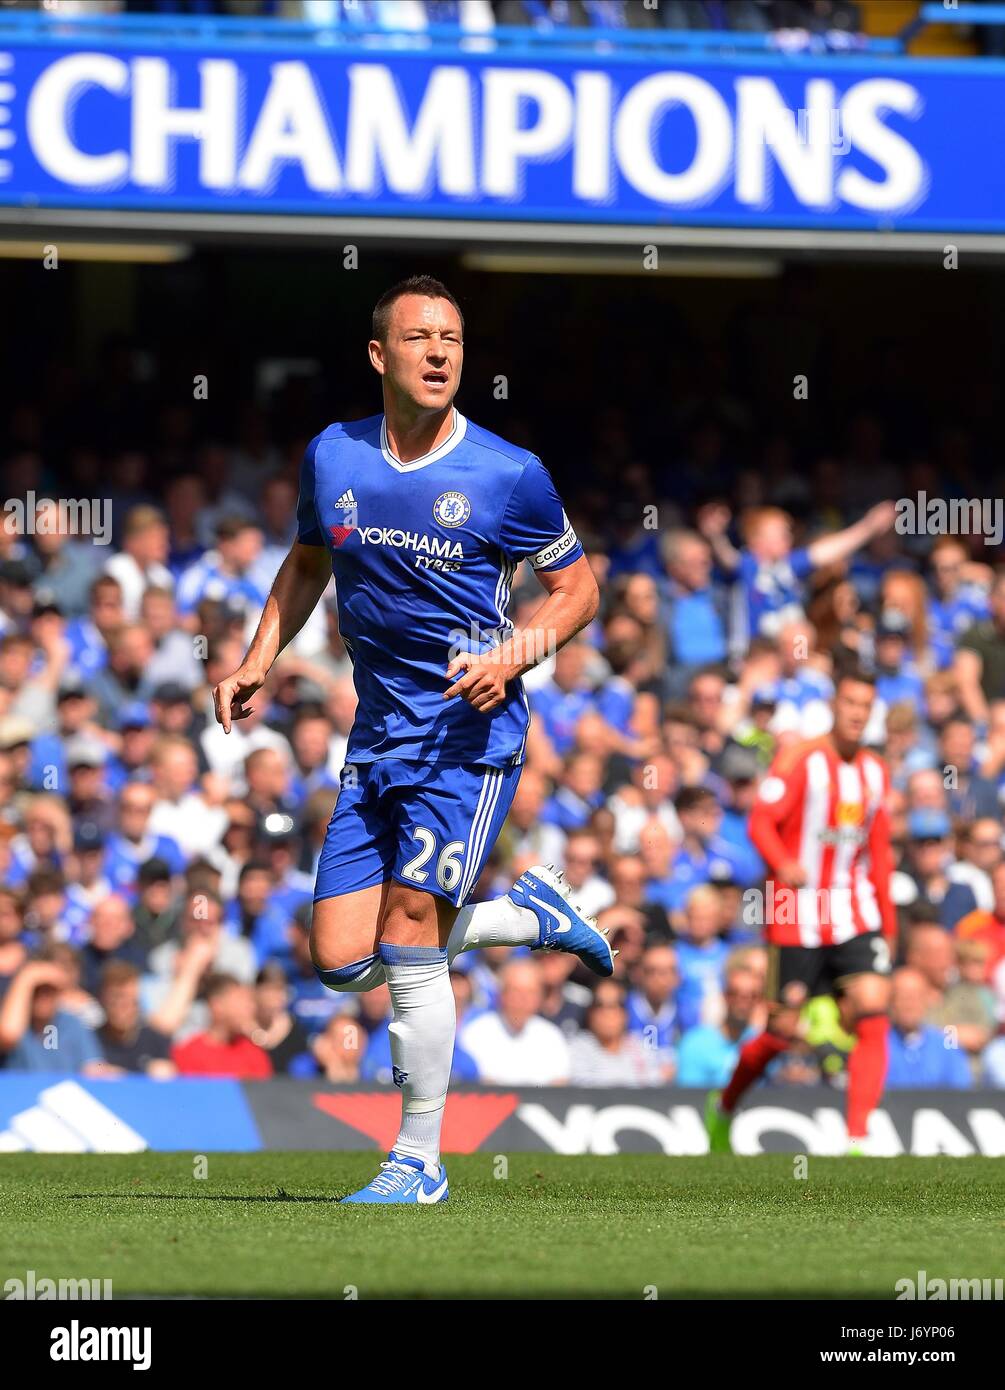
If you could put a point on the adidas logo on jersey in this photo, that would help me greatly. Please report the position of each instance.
(347, 503)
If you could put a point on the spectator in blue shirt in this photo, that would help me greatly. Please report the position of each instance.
(971, 796)
(561, 703)
(954, 604)
(37, 1033)
(229, 574)
(803, 692)
(578, 794)
(707, 1054)
(740, 768)
(135, 723)
(291, 887)
(75, 710)
(701, 956)
(311, 1004)
(88, 636)
(633, 548)
(920, 1057)
(652, 1007)
(770, 573)
(898, 679)
(704, 855)
(132, 845)
(252, 915)
(693, 611)
(928, 861)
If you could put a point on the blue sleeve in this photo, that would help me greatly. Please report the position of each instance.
(308, 530)
(534, 525)
(801, 563)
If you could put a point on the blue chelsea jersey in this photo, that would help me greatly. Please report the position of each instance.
(424, 555)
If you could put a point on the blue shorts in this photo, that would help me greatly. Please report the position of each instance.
(426, 826)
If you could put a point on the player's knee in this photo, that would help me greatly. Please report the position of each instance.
(410, 919)
(341, 968)
(868, 994)
(354, 976)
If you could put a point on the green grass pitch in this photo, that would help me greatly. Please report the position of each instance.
(268, 1225)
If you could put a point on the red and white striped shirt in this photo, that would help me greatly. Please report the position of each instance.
(831, 817)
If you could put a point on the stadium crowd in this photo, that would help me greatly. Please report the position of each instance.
(156, 876)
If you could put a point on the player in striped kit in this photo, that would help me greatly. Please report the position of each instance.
(822, 826)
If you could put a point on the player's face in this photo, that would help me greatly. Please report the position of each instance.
(422, 357)
(852, 707)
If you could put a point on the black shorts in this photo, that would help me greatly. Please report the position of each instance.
(798, 973)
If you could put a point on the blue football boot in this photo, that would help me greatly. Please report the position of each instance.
(403, 1179)
(563, 926)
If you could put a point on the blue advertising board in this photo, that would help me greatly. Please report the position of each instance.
(646, 138)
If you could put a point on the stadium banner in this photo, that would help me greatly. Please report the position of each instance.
(634, 139)
(47, 1114)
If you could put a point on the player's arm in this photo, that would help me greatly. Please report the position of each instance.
(777, 797)
(534, 527)
(572, 602)
(881, 863)
(296, 589)
(828, 550)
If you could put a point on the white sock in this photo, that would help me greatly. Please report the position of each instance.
(422, 1044)
(499, 922)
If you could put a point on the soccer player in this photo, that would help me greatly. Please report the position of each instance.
(424, 516)
(821, 824)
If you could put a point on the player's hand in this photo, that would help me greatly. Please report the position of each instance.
(230, 697)
(792, 873)
(483, 682)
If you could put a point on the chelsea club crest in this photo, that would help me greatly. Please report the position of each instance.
(451, 509)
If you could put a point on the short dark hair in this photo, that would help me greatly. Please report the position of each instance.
(853, 672)
(153, 871)
(119, 972)
(426, 285)
(254, 866)
(691, 798)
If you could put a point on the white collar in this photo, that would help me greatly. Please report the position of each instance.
(452, 440)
